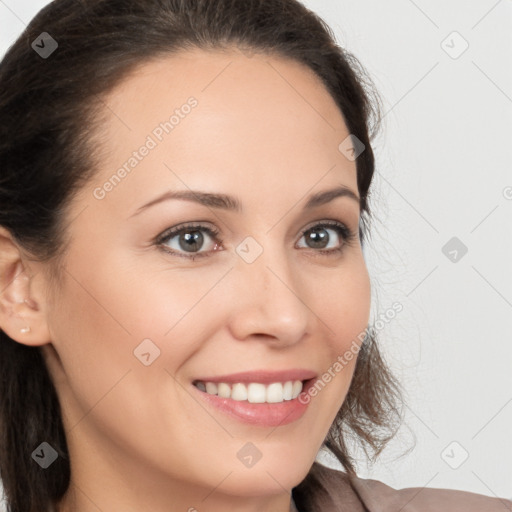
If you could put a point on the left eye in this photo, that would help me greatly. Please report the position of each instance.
(319, 236)
(189, 239)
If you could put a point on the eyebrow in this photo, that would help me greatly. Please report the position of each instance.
(230, 203)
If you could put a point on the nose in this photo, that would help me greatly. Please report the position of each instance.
(269, 302)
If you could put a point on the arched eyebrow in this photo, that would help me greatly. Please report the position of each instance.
(230, 203)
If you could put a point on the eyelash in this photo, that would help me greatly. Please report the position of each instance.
(347, 235)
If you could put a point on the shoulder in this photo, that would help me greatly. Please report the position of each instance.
(380, 497)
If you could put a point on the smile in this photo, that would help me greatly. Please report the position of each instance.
(265, 405)
(254, 392)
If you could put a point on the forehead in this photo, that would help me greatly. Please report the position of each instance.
(226, 77)
(257, 118)
(264, 90)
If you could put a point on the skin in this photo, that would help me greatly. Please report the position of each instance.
(266, 131)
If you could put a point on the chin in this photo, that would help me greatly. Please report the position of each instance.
(250, 485)
(265, 479)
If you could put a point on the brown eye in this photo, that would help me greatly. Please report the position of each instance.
(189, 239)
(320, 236)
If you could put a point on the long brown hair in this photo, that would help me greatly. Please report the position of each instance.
(49, 109)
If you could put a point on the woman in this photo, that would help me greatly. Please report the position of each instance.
(185, 301)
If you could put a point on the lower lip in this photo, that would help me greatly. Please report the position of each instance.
(262, 414)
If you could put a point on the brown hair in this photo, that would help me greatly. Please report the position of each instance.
(49, 111)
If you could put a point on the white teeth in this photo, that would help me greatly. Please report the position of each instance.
(275, 393)
(239, 392)
(211, 388)
(297, 388)
(288, 390)
(223, 390)
(255, 392)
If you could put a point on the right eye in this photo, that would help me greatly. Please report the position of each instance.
(188, 239)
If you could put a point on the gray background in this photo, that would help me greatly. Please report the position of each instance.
(443, 170)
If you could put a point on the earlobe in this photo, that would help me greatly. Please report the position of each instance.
(22, 315)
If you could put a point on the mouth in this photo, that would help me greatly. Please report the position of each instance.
(272, 404)
(255, 392)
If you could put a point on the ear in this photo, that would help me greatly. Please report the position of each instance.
(22, 295)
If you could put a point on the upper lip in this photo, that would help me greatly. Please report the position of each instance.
(261, 376)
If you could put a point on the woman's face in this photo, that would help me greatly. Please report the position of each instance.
(137, 320)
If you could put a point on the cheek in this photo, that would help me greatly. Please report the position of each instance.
(98, 321)
(344, 304)
(92, 340)
(111, 310)
(177, 309)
